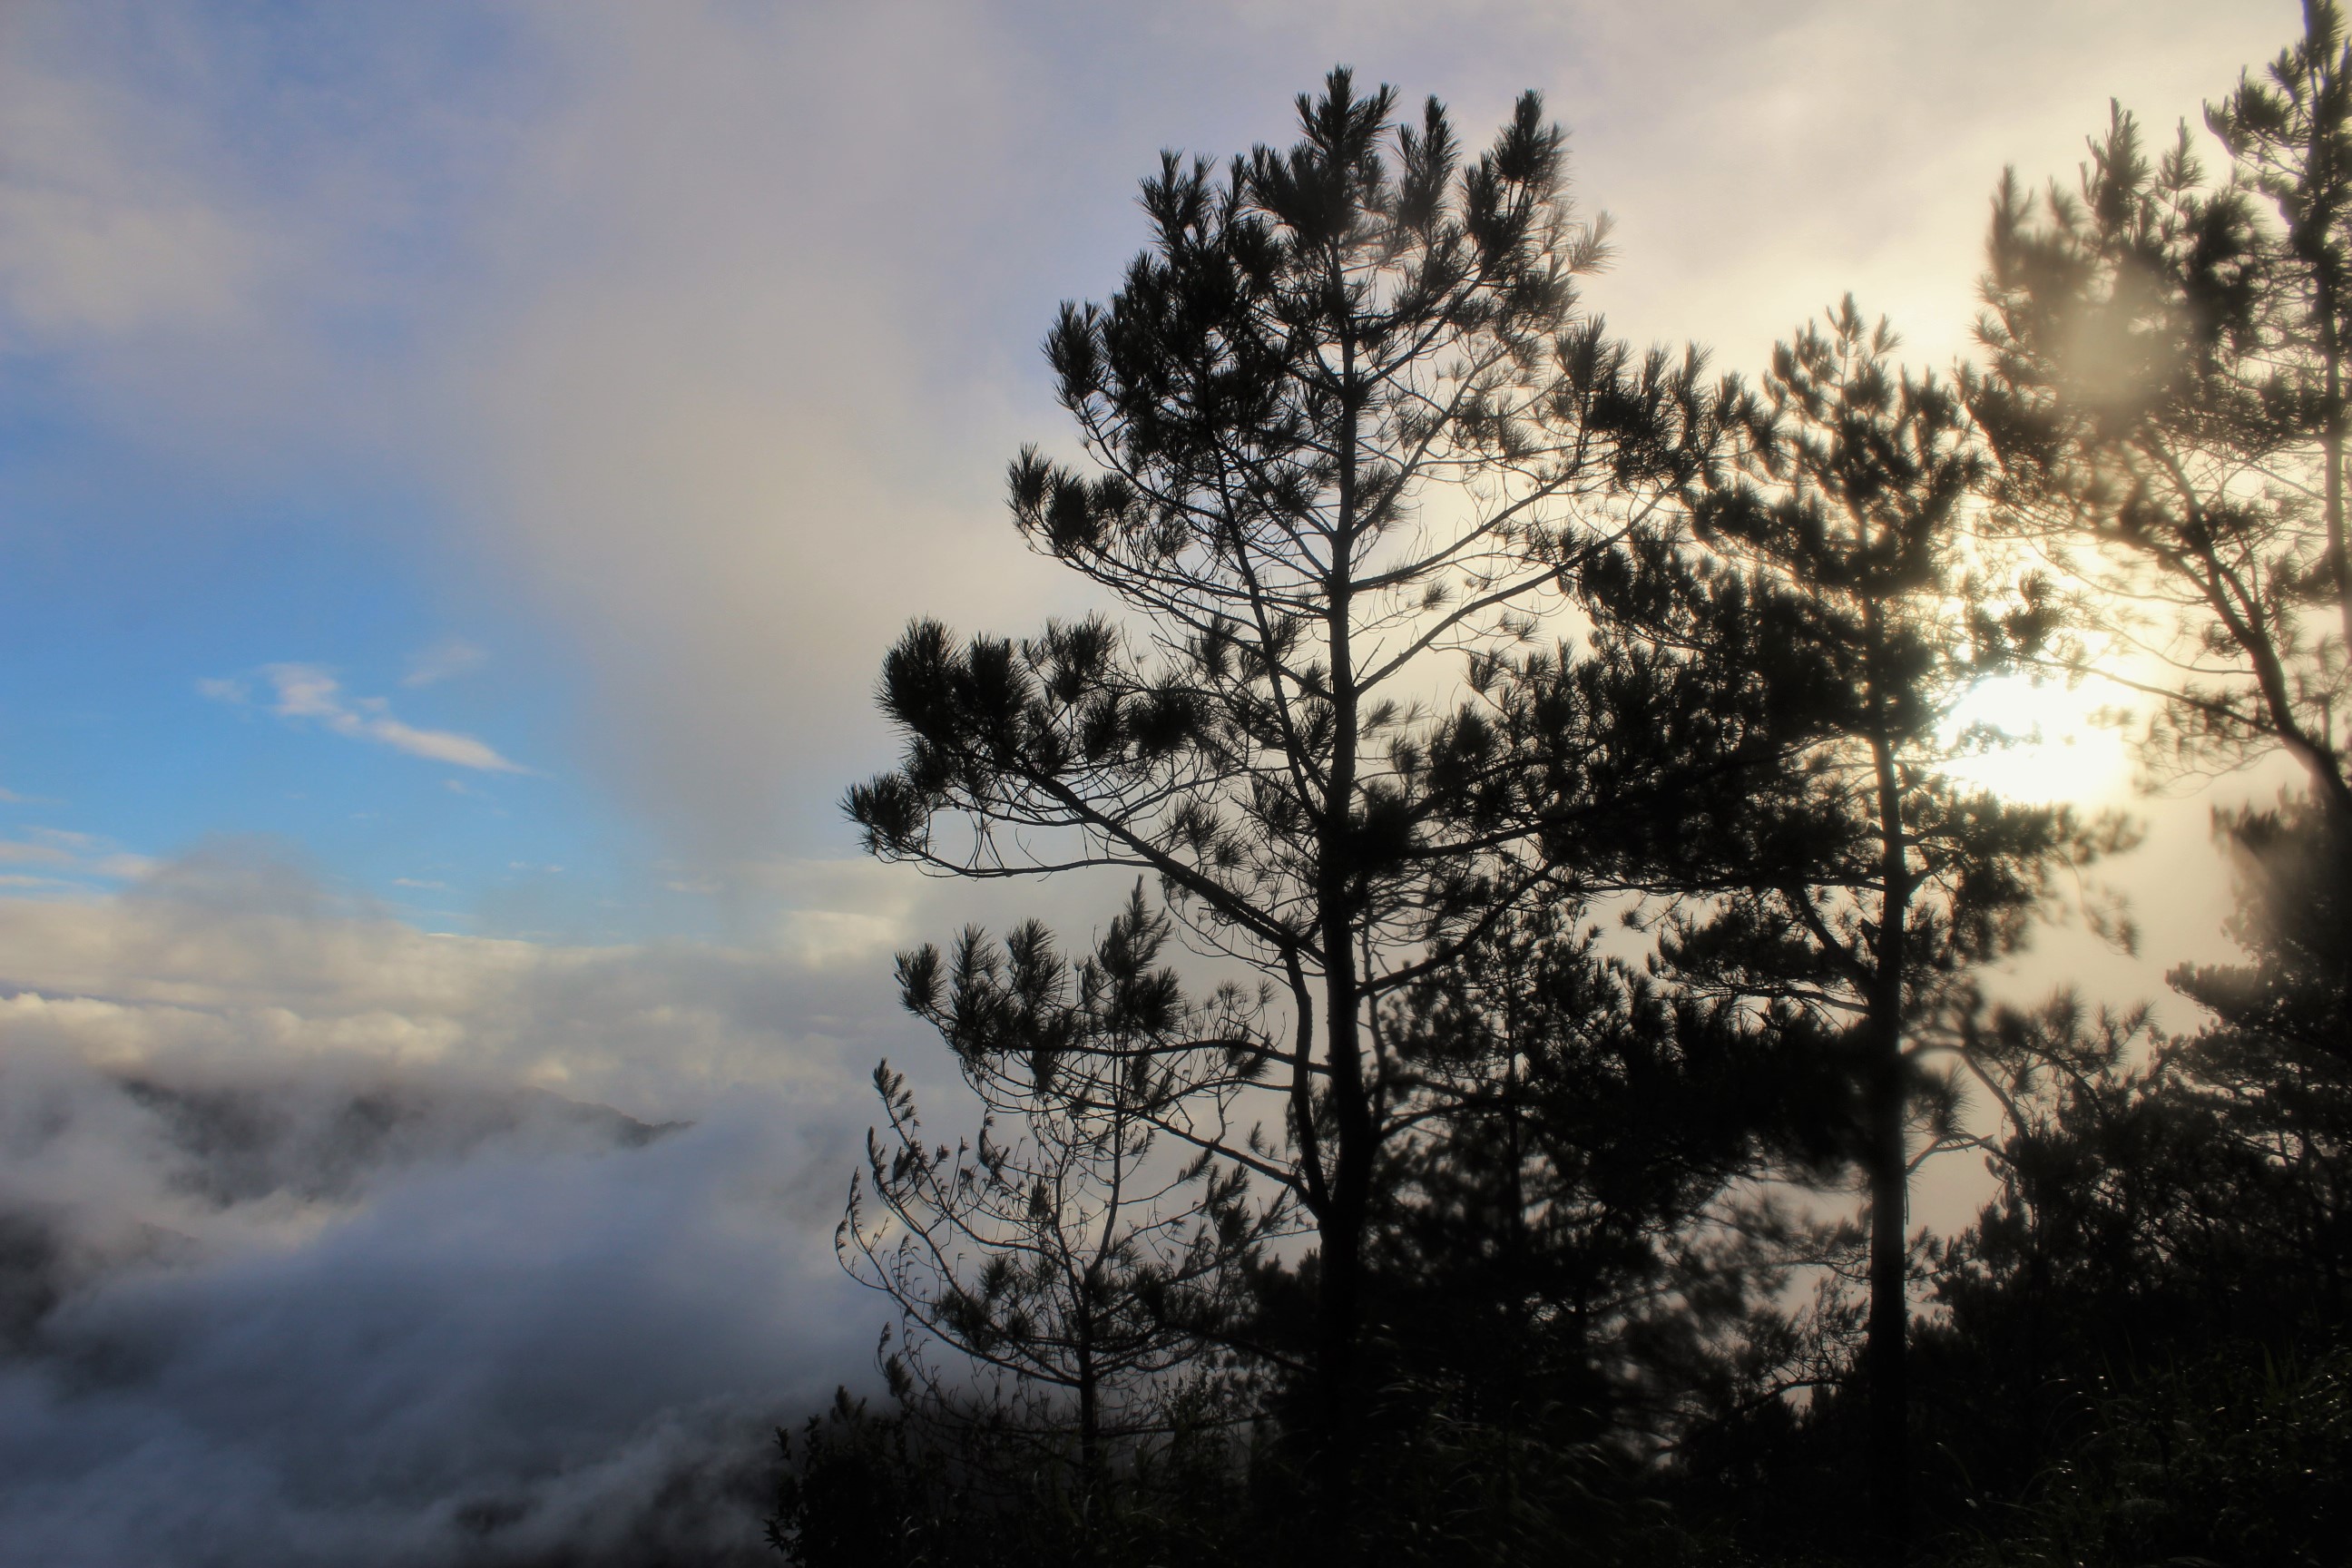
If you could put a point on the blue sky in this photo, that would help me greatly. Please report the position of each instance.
(153, 557)
(664, 359)
(156, 628)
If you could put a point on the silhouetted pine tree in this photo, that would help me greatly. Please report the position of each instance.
(1076, 1258)
(1348, 427)
(2164, 396)
(1349, 441)
(1863, 887)
(2290, 138)
(1563, 1244)
(2142, 1353)
(2275, 1063)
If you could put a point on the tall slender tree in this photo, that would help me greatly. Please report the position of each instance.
(1348, 427)
(1865, 884)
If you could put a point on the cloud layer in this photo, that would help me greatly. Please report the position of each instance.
(303, 1260)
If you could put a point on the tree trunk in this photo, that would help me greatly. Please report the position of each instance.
(1889, 1159)
(1890, 1415)
(1089, 1421)
(2331, 442)
(1340, 1299)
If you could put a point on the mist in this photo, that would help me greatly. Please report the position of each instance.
(298, 1264)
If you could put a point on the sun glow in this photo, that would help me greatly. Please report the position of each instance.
(2038, 741)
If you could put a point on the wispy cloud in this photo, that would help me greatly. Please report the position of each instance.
(64, 859)
(305, 691)
(96, 240)
(450, 656)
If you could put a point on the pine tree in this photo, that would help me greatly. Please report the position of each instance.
(2274, 1060)
(2290, 140)
(1563, 1241)
(1349, 429)
(1864, 886)
(1074, 1259)
(2164, 394)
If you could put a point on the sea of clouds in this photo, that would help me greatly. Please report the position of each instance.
(326, 1240)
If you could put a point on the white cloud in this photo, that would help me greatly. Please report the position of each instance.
(76, 857)
(305, 691)
(436, 745)
(97, 237)
(441, 660)
(381, 1322)
(233, 945)
(359, 1287)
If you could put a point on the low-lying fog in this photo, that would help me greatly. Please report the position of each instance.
(302, 1262)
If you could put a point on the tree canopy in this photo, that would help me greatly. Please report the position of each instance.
(1559, 926)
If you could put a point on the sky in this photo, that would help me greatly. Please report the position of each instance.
(460, 466)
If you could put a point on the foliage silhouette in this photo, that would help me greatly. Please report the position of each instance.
(1561, 746)
(1074, 1261)
(1868, 886)
(2165, 392)
(1350, 430)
